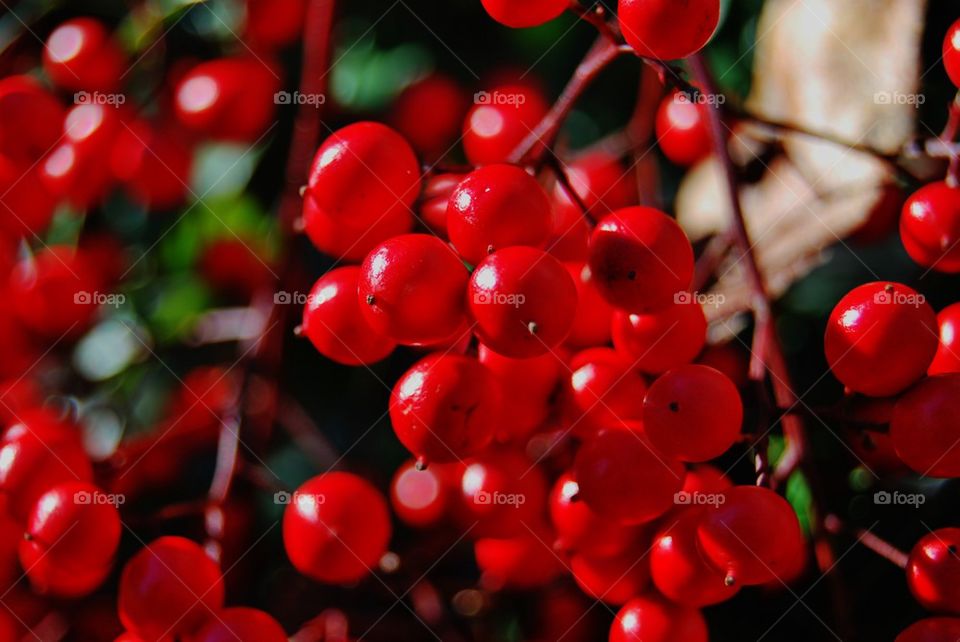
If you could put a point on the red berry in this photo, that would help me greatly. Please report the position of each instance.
(591, 326)
(335, 324)
(363, 181)
(570, 237)
(524, 13)
(169, 588)
(581, 530)
(704, 478)
(881, 338)
(692, 413)
(622, 477)
(602, 183)
(504, 492)
(667, 29)
(930, 227)
(274, 23)
(933, 629)
(235, 268)
(604, 390)
(932, 570)
(683, 132)
(436, 199)
(951, 52)
(336, 528)
(948, 352)
(523, 561)
(729, 358)
(753, 535)
(499, 121)
(422, 498)
(925, 426)
(614, 579)
(411, 289)
(523, 302)
(640, 259)
(27, 202)
(437, 134)
(31, 118)
(445, 407)
(81, 55)
(240, 624)
(661, 340)
(154, 165)
(494, 207)
(653, 619)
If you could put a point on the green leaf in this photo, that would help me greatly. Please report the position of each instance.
(801, 498)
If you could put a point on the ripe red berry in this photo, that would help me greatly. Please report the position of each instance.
(692, 413)
(154, 165)
(666, 29)
(169, 588)
(336, 528)
(570, 237)
(445, 407)
(422, 498)
(436, 199)
(335, 324)
(925, 426)
(27, 201)
(932, 629)
(731, 359)
(622, 476)
(641, 259)
(604, 389)
(930, 227)
(591, 326)
(228, 98)
(499, 121)
(753, 535)
(240, 623)
(411, 289)
(661, 340)
(602, 183)
(683, 132)
(704, 478)
(274, 23)
(525, 13)
(948, 352)
(581, 530)
(881, 337)
(951, 52)
(653, 619)
(494, 207)
(31, 118)
(436, 135)
(524, 561)
(523, 302)
(504, 492)
(362, 183)
(614, 579)
(932, 570)
(81, 55)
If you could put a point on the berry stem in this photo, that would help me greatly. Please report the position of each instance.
(875, 543)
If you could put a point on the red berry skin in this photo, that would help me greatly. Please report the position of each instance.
(682, 130)
(274, 23)
(570, 238)
(335, 324)
(81, 55)
(753, 535)
(72, 529)
(932, 629)
(240, 624)
(27, 201)
(524, 561)
(613, 579)
(423, 498)
(692, 413)
(503, 493)
(930, 227)
(925, 426)
(363, 180)
(653, 619)
(729, 358)
(524, 13)
(704, 478)
(581, 530)
(445, 407)
(602, 183)
(591, 326)
(436, 199)
(623, 478)
(336, 528)
(641, 259)
(154, 166)
(951, 52)
(604, 389)
(31, 118)
(881, 338)
(947, 358)
(411, 289)
(667, 29)
(523, 302)
(169, 588)
(665, 339)
(494, 207)
(436, 135)
(495, 126)
(932, 571)
(229, 99)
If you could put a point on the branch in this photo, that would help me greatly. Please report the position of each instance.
(877, 544)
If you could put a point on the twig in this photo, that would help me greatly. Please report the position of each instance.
(877, 544)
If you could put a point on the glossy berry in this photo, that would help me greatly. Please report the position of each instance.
(640, 259)
(73, 528)
(951, 52)
(667, 29)
(613, 579)
(581, 530)
(661, 340)
(930, 227)
(523, 561)
(81, 55)
(504, 493)
(604, 390)
(445, 407)
(31, 117)
(435, 201)
(335, 324)
(240, 624)
(274, 23)
(170, 587)
(601, 181)
(27, 200)
(494, 207)
(925, 426)
(682, 130)
(753, 536)
(622, 476)
(704, 478)
(933, 629)
(881, 337)
(363, 180)
(692, 413)
(523, 302)
(499, 122)
(422, 498)
(932, 570)
(336, 528)
(154, 163)
(591, 326)
(411, 289)
(228, 99)
(524, 13)
(653, 619)
(436, 135)
(570, 237)
(948, 352)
